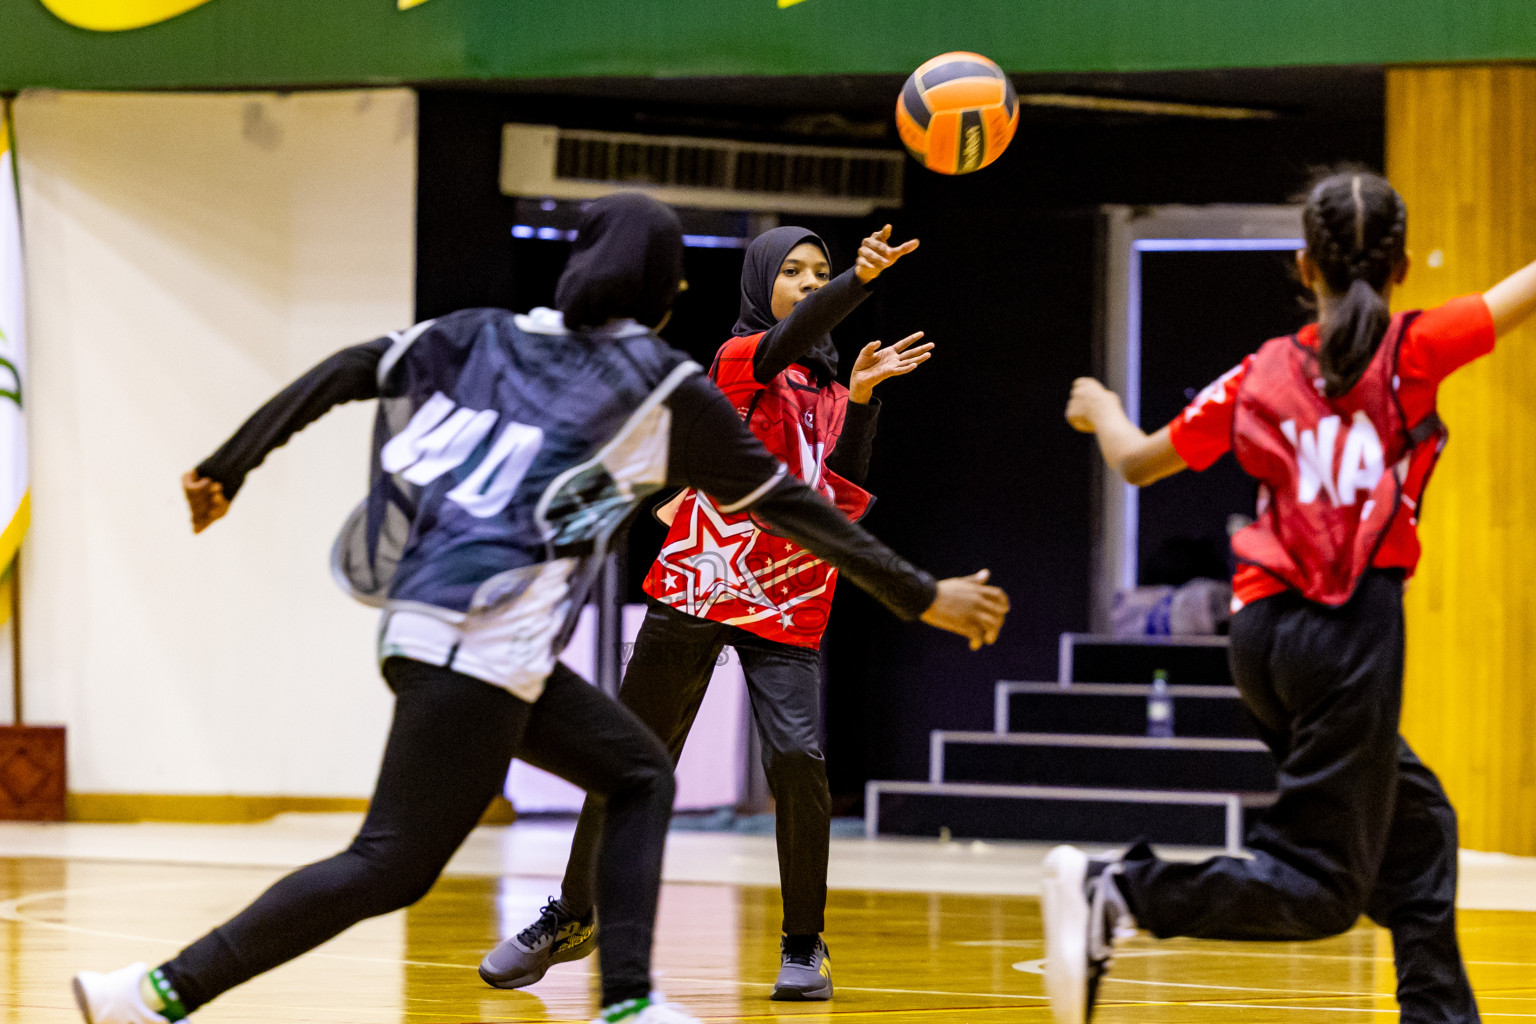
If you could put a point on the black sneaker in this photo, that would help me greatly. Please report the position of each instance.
(1081, 909)
(556, 937)
(804, 974)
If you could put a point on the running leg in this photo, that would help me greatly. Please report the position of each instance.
(785, 686)
(1415, 899)
(1336, 675)
(449, 748)
(664, 684)
(583, 736)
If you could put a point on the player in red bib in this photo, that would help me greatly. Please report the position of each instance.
(1338, 425)
(724, 579)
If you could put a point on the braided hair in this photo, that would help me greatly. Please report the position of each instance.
(1356, 228)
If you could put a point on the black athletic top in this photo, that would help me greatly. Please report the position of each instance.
(711, 449)
(803, 337)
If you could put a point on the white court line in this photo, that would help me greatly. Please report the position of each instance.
(1332, 956)
(1038, 967)
(1330, 1009)
(999, 942)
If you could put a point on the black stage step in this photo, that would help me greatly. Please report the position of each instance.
(1118, 709)
(1061, 759)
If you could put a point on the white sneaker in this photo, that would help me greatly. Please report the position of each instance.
(114, 998)
(657, 1011)
(1083, 912)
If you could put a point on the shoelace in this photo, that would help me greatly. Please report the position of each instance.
(802, 959)
(548, 925)
(1107, 914)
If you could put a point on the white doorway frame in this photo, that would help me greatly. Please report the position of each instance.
(1128, 233)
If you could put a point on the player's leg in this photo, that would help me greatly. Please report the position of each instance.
(664, 684)
(449, 747)
(784, 683)
(581, 735)
(1325, 686)
(1337, 676)
(1415, 898)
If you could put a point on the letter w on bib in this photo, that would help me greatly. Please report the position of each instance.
(443, 437)
(1360, 464)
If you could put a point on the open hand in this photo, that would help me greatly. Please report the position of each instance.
(877, 255)
(875, 364)
(966, 605)
(205, 498)
(1087, 403)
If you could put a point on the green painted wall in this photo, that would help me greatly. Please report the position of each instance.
(317, 42)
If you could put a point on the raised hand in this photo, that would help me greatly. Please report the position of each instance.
(877, 255)
(205, 498)
(875, 364)
(1088, 402)
(966, 605)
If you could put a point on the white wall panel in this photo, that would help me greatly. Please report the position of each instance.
(188, 256)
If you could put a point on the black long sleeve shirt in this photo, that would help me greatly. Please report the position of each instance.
(793, 338)
(711, 450)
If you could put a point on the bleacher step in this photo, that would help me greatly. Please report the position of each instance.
(1118, 709)
(1128, 762)
(1060, 813)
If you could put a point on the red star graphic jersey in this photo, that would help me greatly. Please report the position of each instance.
(722, 565)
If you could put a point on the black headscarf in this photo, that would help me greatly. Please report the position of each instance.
(627, 261)
(765, 256)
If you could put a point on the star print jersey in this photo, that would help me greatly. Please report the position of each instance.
(719, 562)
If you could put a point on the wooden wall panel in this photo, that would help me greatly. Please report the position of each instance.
(1461, 148)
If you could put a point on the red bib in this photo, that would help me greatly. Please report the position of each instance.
(723, 566)
(1333, 473)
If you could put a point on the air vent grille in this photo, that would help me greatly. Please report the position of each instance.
(539, 160)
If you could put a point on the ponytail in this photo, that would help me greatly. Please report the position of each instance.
(1356, 228)
(1349, 337)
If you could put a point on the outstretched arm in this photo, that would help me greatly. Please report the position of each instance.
(1512, 299)
(1140, 458)
(789, 340)
(348, 376)
(850, 459)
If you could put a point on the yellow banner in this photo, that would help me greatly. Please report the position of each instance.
(118, 15)
(15, 505)
(121, 15)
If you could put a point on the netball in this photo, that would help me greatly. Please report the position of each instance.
(957, 113)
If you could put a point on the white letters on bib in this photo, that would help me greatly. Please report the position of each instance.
(1360, 466)
(441, 437)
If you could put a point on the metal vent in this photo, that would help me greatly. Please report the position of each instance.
(538, 160)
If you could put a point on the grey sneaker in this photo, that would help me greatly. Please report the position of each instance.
(555, 938)
(803, 976)
(1082, 911)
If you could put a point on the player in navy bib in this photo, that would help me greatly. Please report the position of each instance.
(508, 451)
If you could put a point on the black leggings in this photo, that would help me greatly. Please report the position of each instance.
(451, 743)
(664, 684)
(1360, 826)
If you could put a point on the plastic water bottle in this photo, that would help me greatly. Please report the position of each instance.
(1159, 707)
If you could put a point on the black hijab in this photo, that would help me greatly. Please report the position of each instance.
(765, 256)
(627, 261)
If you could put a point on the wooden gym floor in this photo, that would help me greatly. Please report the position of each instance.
(932, 957)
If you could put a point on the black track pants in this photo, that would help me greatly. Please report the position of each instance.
(450, 745)
(1360, 826)
(664, 684)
